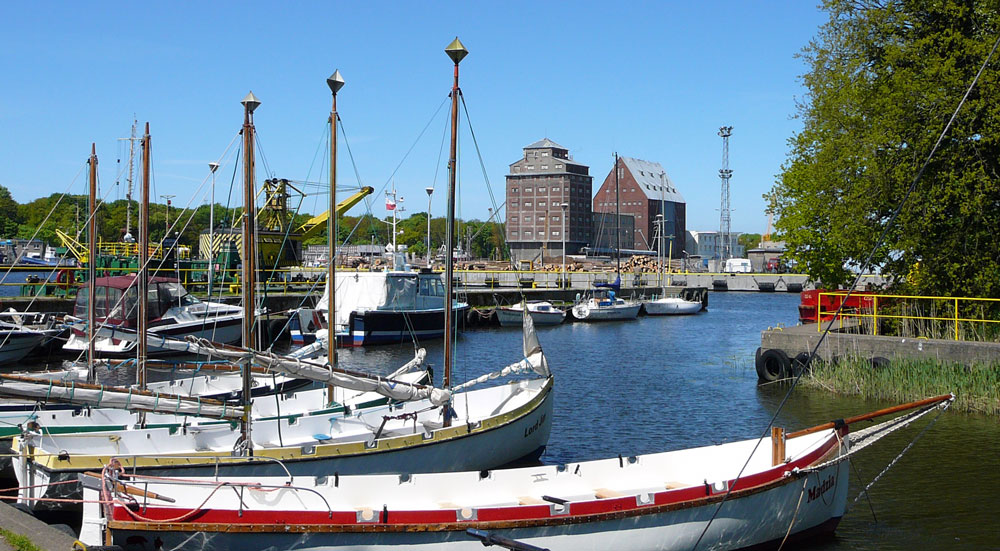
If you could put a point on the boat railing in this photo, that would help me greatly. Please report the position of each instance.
(952, 318)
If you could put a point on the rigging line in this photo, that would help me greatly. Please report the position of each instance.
(857, 280)
(415, 142)
(496, 209)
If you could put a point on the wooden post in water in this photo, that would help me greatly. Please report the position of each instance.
(92, 263)
(335, 82)
(456, 51)
(250, 103)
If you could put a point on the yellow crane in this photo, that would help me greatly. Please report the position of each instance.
(315, 225)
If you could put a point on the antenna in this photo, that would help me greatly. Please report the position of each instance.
(725, 245)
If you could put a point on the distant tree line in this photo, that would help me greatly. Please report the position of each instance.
(69, 214)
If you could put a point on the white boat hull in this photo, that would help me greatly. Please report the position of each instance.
(613, 312)
(671, 306)
(509, 317)
(645, 520)
(18, 344)
(489, 441)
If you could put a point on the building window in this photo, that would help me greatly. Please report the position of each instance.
(527, 232)
(545, 153)
(541, 203)
(527, 203)
(541, 189)
(513, 232)
(555, 189)
(513, 205)
(513, 190)
(545, 167)
(555, 234)
(528, 189)
(513, 219)
(559, 166)
(555, 218)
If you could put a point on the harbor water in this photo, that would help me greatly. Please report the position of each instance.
(665, 383)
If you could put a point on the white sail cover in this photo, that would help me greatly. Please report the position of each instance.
(534, 359)
(295, 367)
(115, 397)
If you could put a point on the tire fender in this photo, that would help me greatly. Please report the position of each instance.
(772, 364)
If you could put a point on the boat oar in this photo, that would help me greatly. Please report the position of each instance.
(872, 415)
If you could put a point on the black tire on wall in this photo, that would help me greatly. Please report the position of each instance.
(879, 362)
(772, 365)
(800, 363)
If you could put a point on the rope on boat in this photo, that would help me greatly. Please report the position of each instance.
(795, 515)
(866, 437)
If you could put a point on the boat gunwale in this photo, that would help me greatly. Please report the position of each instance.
(208, 459)
(777, 476)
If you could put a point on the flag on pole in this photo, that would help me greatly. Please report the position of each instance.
(390, 203)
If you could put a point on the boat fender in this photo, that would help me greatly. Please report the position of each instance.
(800, 363)
(621, 462)
(484, 475)
(773, 364)
(385, 514)
(336, 479)
(879, 362)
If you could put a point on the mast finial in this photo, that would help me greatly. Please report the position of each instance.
(335, 82)
(456, 51)
(251, 102)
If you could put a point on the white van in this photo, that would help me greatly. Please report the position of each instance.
(738, 266)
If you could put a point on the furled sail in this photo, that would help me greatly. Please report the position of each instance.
(16, 386)
(534, 359)
(397, 390)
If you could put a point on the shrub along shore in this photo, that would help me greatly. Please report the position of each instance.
(976, 387)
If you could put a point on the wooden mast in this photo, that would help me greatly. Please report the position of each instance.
(143, 275)
(250, 103)
(92, 263)
(456, 51)
(335, 82)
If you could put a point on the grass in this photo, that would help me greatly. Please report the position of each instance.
(976, 387)
(18, 542)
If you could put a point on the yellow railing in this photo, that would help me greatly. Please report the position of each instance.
(873, 315)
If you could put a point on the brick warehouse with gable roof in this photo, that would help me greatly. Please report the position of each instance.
(642, 185)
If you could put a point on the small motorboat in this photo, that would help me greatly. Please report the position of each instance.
(671, 305)
(172, 312)
(541, 312)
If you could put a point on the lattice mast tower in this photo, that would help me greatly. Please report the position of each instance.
(725, 230)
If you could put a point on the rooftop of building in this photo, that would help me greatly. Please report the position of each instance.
(653, 180)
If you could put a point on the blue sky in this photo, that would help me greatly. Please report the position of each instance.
(648, 80)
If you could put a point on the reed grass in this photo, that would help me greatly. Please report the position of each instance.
(17, 541)
(976, 387)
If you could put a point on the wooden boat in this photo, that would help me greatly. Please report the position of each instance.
(433, 430)
(737, 495)
(541, 312)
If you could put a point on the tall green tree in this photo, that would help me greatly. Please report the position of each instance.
(884, 78)
(10, 218)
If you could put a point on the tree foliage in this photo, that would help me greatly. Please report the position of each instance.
(884, 79)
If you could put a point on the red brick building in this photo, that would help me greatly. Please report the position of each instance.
(643, 187)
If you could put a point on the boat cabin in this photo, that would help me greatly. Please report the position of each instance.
(116, 299)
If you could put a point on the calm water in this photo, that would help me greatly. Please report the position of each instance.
(657, 384)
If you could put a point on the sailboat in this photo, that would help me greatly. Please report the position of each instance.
(667, 303)
(423, 429)
(604, 303)
(738, 495)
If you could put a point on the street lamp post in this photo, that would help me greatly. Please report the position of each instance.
(166, 223)
(564, 206)
(429, 191)
(211, 231)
